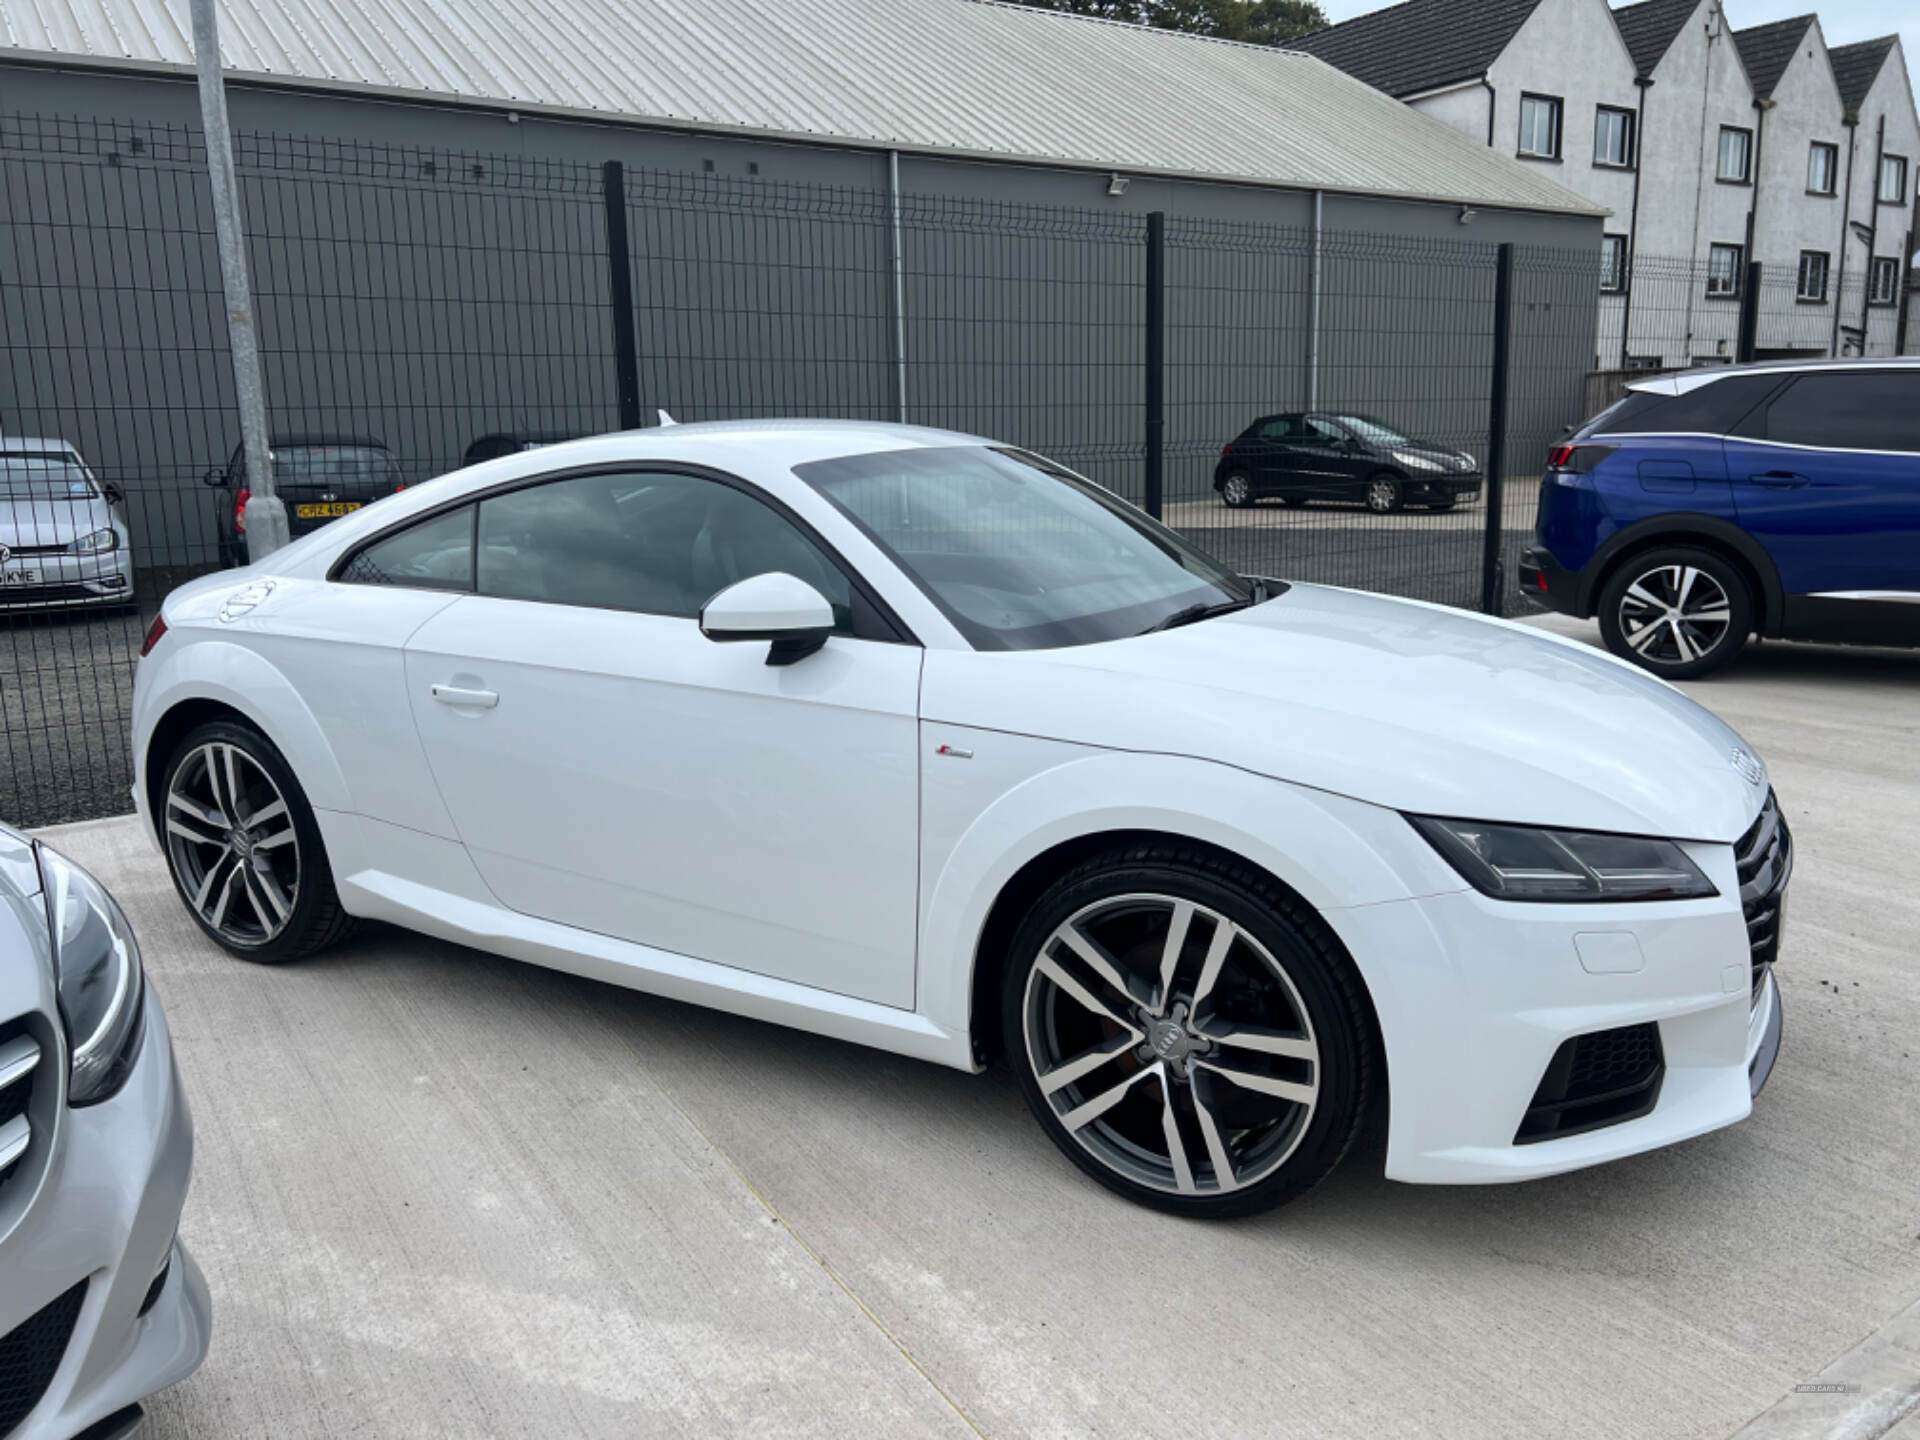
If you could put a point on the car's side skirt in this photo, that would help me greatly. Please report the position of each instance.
(1877, 617)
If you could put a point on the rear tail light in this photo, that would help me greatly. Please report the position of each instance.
(240, 511)
(1577, 459)
(1226, 450)
(154, 632)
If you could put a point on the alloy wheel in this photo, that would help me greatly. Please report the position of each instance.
(1383, 495)
(1236, 491)
(232, 843)
(1171, 1044)
(1674, 614)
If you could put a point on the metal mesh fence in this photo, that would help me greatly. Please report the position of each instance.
(418, 309)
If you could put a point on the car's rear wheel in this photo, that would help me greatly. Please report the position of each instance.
(1237, 491)
(244, 848)
(1383, 494)
(1679, 612)
(1186, 1032)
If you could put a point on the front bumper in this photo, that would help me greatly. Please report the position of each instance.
(63, 581)
(107, 1214)
(1456, 487)
(1475, 996)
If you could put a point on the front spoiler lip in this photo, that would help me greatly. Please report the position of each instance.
(1760, 1066)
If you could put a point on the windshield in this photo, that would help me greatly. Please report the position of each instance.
(1018, 553)
(1373, 431)
(44, 477)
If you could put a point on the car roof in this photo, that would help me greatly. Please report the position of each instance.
(285, 442)
(28, 444)
(1681, 382)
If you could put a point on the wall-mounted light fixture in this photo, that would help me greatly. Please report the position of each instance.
(1467, 212)
(1117, 185)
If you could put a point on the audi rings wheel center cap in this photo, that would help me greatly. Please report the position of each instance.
(243, 844)
(1169, 1039)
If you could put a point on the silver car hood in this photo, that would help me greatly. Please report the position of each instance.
(25, 521)
(1412, 706)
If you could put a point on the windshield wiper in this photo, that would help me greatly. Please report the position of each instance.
(1195, 612)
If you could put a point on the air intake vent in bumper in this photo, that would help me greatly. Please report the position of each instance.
(31, 1353)
(19, 1062)
(1596, 1080)
(1764, 858)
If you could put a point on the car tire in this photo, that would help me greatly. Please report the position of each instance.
(1384, 495)
(1678, 612)
(261, 889)
(1283, 981)
(1236, 491)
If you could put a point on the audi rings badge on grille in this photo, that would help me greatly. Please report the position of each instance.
(1749, 766)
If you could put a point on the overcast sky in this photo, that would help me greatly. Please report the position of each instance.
(1842, 21)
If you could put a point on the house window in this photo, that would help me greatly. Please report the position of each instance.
(1613, 137)
(1883, 287)
(1893, 180)
(1823, 168)
(1540, 126)
(1724, 264)
(1613, 263)
(1813, 275)
(1736, 155)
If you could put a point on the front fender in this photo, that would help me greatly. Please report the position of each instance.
(1334, 852)
(233, 675)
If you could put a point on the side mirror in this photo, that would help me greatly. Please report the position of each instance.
(778, 607)
(112, 491)
(213, 476)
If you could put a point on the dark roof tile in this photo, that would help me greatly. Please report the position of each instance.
(1856, 67)
(1767, 50)
(1649, 29)
(1420, 45)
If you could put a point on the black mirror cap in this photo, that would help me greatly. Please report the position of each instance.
(786, 647)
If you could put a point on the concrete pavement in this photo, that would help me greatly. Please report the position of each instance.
(439, 1193)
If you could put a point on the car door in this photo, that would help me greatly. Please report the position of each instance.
(1272, 460)
(1826, 475)
(1328, 448)
(608, 767)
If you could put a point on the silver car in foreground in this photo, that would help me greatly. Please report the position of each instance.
(63, 533)
(99, 1304)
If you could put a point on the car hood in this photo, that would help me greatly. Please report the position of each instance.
(1399, 703)
(26, 521)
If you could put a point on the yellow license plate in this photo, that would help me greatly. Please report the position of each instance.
(325, 512)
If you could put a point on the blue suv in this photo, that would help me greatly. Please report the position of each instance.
(1778, 499)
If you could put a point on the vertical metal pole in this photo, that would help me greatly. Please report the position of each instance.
(1493, 564)
(899, 293)
(1313, 322)
(266, 515)
(1873, 236)
(1749, 314)
(1156, 358)
(626, 354)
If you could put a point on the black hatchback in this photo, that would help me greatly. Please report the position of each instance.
(1335, 455)
(319, 477)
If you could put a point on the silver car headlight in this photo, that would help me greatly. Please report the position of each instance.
(1526, 862)
(97, 543)
(102, 987)
(1415, 461)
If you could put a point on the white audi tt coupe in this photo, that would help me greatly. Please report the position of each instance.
(921, 741)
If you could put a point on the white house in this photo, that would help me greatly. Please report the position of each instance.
(1709, 147)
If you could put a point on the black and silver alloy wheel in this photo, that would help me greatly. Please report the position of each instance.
(1193, 1041)
(1171, 1044)
(1679, 613)
(243, 846)
(231, 838)
(1383, 494)
(1236, 491)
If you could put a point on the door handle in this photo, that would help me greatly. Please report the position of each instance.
(1779, 479)
(471, 699)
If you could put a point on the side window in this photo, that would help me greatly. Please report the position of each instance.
(1278, 428)
(1849, 410)
(1325, 432)
(436, 554)
(641, 540)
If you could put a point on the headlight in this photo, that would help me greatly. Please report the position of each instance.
(98, 543)
(1522, 862)
(102, 988)
(1415, 461)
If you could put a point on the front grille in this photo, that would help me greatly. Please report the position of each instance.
(16, 551)
(1594, 1080)
(19, 1063)
(30, 1355)
(1764, 858)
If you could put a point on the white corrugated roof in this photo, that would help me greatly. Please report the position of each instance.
(939, 76)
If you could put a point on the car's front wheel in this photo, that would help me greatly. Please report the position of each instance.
(1187, 1033)
(244, 848)
(1679, 612)
(1383, 494)
(1236, 491)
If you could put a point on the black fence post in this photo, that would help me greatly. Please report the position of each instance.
(626, 355)
(1493, 567)
(1750, 313)
(1156, 359)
